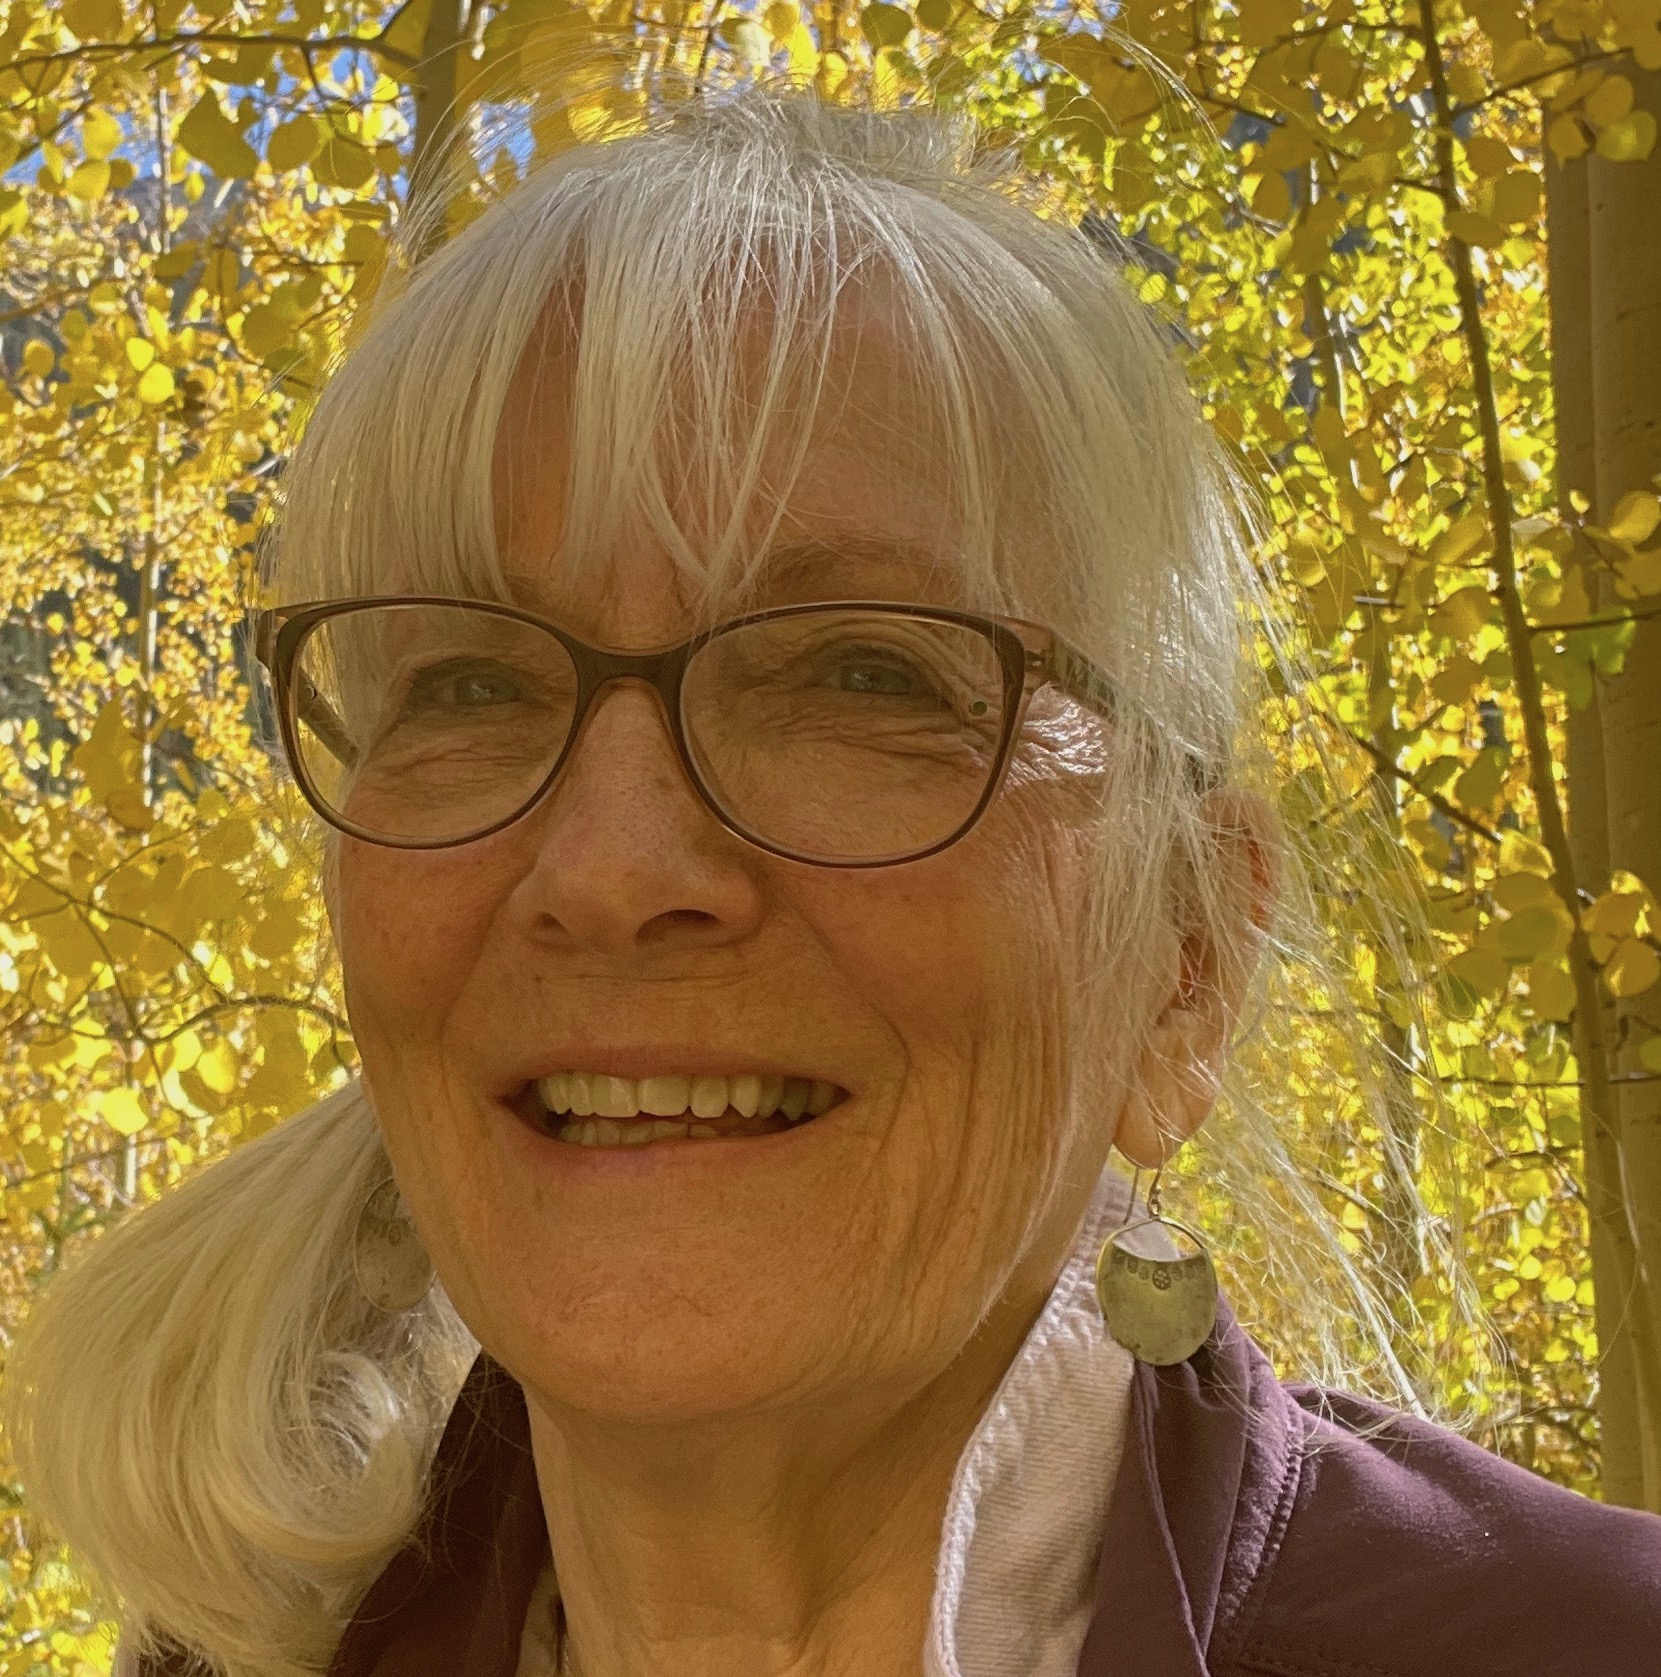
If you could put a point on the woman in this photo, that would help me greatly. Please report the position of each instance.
(768, 654)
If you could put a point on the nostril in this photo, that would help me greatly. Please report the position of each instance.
(676, 920)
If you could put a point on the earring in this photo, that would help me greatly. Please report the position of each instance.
(390, 1263)
(1161, 1309)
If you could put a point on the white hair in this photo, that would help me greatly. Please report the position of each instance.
(231, 1437)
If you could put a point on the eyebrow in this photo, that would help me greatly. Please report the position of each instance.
(805, 560)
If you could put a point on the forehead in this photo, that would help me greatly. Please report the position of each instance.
(851, 494)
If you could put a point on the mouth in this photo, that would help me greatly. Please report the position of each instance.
(595, 1109)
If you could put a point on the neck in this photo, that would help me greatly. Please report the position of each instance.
(798, 1543)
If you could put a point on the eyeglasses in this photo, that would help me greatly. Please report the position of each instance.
(848, 733)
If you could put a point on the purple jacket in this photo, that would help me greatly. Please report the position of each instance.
(1255, 1530)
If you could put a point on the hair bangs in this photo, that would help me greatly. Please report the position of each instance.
(713, 308)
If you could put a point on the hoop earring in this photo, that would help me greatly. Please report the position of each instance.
(391, 1265)
(1162, 1310)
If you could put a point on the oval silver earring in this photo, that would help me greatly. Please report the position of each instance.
(390, 1263)
(1160, 1307)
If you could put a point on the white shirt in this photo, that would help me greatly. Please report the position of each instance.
(1015, 1581)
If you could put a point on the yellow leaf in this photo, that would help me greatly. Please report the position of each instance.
(279, 932)
(1481, 784)
(1649, 1056)
(265, 328)
(1460, 540)
(157, 384)
(1632, 968)
(1455, 681)
(227, 841)
(1551, 993)
(1265, 21)
(1630, 140)
(1516, 891)
(1567, 139)
(406, 28)
(94, 20)
(781, 19)
(177, 262)
(804, 53)
(219, 1068)
(212, 138)
(293, 144)
(1635, 517)
(90, 181)
(109, 756)
(1486, 972)
(1488, 157)
(100, 132)
(1561, 1289)
(1273, 200)
(1609, 101)
(1464, 612)
(280, 1078)
(1517, 196)
(121, 1109)
(1571, 603)
(1536, 934)
(344, 163)
(1521, 854)
(222, 272)
(1311, 246)
(38, 357)
(1639, 575)
(71, 947)
(140, 353)
(1432, 845)
(127, 804)
(209, 895)
(1475, 229)
(884, 25)
(748, 39)
(1614, 915)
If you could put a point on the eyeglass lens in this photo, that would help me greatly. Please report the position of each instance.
(840, 734)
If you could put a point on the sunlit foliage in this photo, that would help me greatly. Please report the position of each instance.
(1339, 208)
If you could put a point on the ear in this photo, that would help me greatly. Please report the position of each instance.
(1216, 949)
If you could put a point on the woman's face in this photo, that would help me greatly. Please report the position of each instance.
(619, 929)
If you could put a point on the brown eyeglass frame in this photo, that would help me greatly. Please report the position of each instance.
(1030, 655)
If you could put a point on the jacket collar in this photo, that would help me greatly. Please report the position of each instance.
(1201, 1492)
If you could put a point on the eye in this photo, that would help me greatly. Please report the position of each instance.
(884, 677)
(456, 686)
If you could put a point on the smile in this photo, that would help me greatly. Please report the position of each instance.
(599, 1110)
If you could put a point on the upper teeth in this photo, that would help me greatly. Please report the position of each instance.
(593, 1094)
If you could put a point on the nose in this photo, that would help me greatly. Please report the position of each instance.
(630, 861)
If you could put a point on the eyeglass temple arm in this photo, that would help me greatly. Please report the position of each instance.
(1077, 676)
(1091, 685)
(310, 706)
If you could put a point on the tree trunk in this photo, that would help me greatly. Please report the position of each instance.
(1570, 292)
(436, 117)
(1624, 221)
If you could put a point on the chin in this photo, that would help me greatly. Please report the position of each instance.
(649, 1345)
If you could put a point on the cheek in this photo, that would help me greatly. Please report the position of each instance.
(412, 929)
(969, 958)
